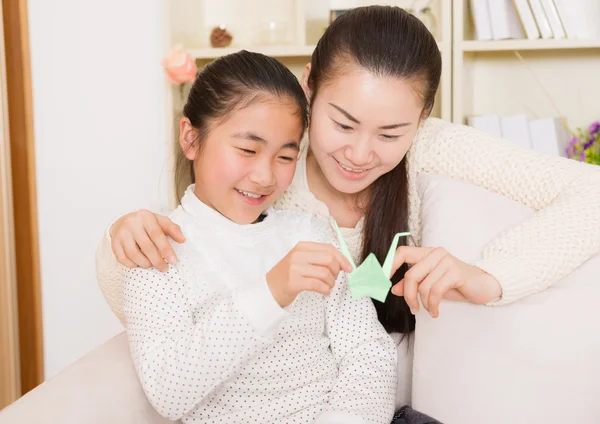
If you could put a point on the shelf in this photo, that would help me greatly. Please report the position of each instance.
(273, 51)
(507, 45)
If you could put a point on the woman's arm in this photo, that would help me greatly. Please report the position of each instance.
(137, 239)
(187, 337)
(564, 232)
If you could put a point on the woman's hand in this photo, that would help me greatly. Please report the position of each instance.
(436, 274)
(307, 267)
(139, 239)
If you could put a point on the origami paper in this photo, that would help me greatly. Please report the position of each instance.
(370, 278)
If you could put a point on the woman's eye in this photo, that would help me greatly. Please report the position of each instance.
(343, 127)
(247, 152)
(286, 158)
(390, 137)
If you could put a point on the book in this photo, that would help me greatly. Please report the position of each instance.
(553, 18)
(480, 13)
(540, 18)
(505, 20)
(516, 129)
(527, 19)
(548, 136)
(487, 123)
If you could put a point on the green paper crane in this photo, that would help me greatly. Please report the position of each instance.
(370, 278)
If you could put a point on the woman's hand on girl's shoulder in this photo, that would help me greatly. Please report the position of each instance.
(436, 274)
(139, 239)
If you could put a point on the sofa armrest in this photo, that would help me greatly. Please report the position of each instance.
(102, 387)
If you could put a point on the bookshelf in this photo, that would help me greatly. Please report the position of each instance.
(488, 77)
(187, 26)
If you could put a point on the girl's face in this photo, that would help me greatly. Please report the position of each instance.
(361, 127)
(245, 162)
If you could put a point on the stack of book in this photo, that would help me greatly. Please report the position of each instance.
(533, 19)
(546, 135)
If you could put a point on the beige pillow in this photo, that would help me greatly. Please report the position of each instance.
(533, 361)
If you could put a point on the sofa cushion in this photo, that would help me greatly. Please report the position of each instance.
(100, 388)
(532, 361)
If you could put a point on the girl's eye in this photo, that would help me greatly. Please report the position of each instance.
(286, 158)
(247, 152)
(390, 137)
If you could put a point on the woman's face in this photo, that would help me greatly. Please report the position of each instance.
(362, 126)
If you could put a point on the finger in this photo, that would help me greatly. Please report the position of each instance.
(161, 242)
(328, 247)
(170, 228)
(430, 279)
(443, 285)
(409, 255)
(342, 260)
(421, 269)
(410, 295)
(324, 259)
(133, 252)
(321, 273)
(414, 276)
(150, 251)
(398, 288)
(318, 286)
(121, 256)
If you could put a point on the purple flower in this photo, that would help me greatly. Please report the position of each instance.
(582, 157)
(595, 127)
(573, 141)
(589, 143)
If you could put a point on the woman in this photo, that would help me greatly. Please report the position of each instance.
(371, 85)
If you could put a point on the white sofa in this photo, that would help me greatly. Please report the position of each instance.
(534, 361)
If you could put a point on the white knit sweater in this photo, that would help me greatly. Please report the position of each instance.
(526, 259)
(211, 344)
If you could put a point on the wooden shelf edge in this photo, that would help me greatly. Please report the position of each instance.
(273, 51)
(507, 45)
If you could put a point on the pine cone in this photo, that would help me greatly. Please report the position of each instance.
(220, 37)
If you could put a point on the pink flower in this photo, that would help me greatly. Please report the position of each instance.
(180, 66)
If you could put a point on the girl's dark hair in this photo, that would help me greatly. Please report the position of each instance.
(388, 42)
(231, 82)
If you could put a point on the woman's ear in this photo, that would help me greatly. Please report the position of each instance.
(304, 82)
(188, 137)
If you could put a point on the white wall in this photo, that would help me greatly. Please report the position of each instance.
(99, 99)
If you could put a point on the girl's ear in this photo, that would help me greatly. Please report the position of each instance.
(188, 137)
(304, 82)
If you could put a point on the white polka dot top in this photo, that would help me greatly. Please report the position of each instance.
(211, 344)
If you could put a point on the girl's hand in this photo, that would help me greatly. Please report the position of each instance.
(436, 274)
(139, 239)
(307, 267)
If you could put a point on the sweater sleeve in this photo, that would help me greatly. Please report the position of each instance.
(110, 277)
(187, 337)
(366, 355)
(563, 233)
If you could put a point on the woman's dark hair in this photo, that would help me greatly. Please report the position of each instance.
(388, 42)
(231, 82)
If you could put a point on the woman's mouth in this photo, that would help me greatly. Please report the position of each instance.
(352, 173)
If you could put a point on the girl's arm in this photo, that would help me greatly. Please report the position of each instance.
(139, 239)
(564, 232)
(187, 334)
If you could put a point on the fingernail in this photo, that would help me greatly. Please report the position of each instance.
(412, 311)
(172, 260)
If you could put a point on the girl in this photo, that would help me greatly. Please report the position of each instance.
(240, 330)
(371, 84)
